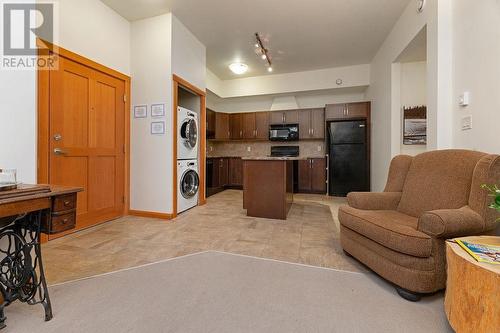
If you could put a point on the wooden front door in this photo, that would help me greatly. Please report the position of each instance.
(87, 139)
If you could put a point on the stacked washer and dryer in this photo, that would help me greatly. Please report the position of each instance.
(187, 159)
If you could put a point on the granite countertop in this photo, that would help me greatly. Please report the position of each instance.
(271, 158)
(268, 157)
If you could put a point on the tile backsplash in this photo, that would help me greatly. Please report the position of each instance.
(315, 148)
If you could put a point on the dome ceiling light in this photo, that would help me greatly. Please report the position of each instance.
(261, 50)
(238, 68)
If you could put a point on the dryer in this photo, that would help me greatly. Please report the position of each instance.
(189, 184)
(187, 137)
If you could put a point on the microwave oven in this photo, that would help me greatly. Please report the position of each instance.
(287, 132)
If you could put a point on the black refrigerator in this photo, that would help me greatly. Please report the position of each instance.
(348, 157)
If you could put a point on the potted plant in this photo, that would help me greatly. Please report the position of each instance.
(495, 193)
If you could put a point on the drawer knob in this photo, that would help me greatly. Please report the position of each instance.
(65, 221)
(67, 203)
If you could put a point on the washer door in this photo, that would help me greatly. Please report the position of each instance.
(189, 132)
(190, 182)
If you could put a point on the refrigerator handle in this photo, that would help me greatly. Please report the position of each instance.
(327, 173)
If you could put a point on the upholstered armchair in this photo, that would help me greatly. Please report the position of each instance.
(400, 233)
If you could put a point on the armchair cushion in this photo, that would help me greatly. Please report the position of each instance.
(374, 201)
(449, 223)
(389, 228)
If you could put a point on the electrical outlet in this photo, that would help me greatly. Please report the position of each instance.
(466, 123)
(320, 148)
(249, 149)
(211, 148)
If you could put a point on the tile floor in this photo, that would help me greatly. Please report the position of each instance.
(309, 236)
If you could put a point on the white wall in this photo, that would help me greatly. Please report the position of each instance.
(188, 55)
(352, 76)
(476, 68)
(161, 46)
(311, 99)
(150, 158)
(385, 142)
(413, 93)
(86, 27)
(18, 123)
(95, 31)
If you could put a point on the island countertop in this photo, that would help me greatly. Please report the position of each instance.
(273, 158)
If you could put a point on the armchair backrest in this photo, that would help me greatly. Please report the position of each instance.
(487, 171)
(439, 179)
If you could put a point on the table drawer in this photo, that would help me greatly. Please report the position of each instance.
(64, 203)
(62, 223)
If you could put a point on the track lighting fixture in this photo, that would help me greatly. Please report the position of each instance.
(264, 53)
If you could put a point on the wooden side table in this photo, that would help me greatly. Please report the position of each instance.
(472, 301)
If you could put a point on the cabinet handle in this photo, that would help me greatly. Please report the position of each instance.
(312, 131)
(256, 131)
(66, 203)
(347, 109)
(241, 134)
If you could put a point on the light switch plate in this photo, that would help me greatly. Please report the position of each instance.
(466, 123)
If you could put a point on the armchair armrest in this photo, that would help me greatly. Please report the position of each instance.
(374, 201)
(450, 223)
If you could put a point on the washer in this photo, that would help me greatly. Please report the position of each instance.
(187, 142)
(189, 183)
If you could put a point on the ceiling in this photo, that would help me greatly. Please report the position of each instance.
(416, 50)
(301, 35)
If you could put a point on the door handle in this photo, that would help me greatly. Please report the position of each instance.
(59, 151)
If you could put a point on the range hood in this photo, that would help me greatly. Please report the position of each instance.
(284, 103)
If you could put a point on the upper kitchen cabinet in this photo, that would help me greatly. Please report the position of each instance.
(312, 124)
(262, 125)
(284, 117)
(248, 125)
(348, 111)
(235, 126)
(222, 126)
(211, 124)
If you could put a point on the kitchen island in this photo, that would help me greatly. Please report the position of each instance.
(268, 186)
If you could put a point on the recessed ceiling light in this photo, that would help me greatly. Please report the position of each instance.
(263, 57)
(269, 69)
(238, 68)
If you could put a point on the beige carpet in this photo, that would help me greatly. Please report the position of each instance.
(220, 292)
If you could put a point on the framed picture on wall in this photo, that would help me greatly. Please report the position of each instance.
(140, 111)
(415, 125)
(158, 110)
(157, 127)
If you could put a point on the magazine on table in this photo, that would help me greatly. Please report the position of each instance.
(483, 249)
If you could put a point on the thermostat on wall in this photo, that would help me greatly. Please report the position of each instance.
(464, 99)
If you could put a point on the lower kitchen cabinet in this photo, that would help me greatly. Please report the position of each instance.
(235, 172)
(312, 175)
(222, 173)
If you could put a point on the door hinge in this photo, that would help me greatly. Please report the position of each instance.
(124, 98)
(123, 199)
(124, 149)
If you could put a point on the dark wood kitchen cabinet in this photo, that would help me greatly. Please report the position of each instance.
(235, 172)
(223, 164)
(312, 175)
(262, 125)
(348, 111)
(248, 125)
(312, 124)
(211, 124)
(235, 125)
(221, 126)
(284, 117)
